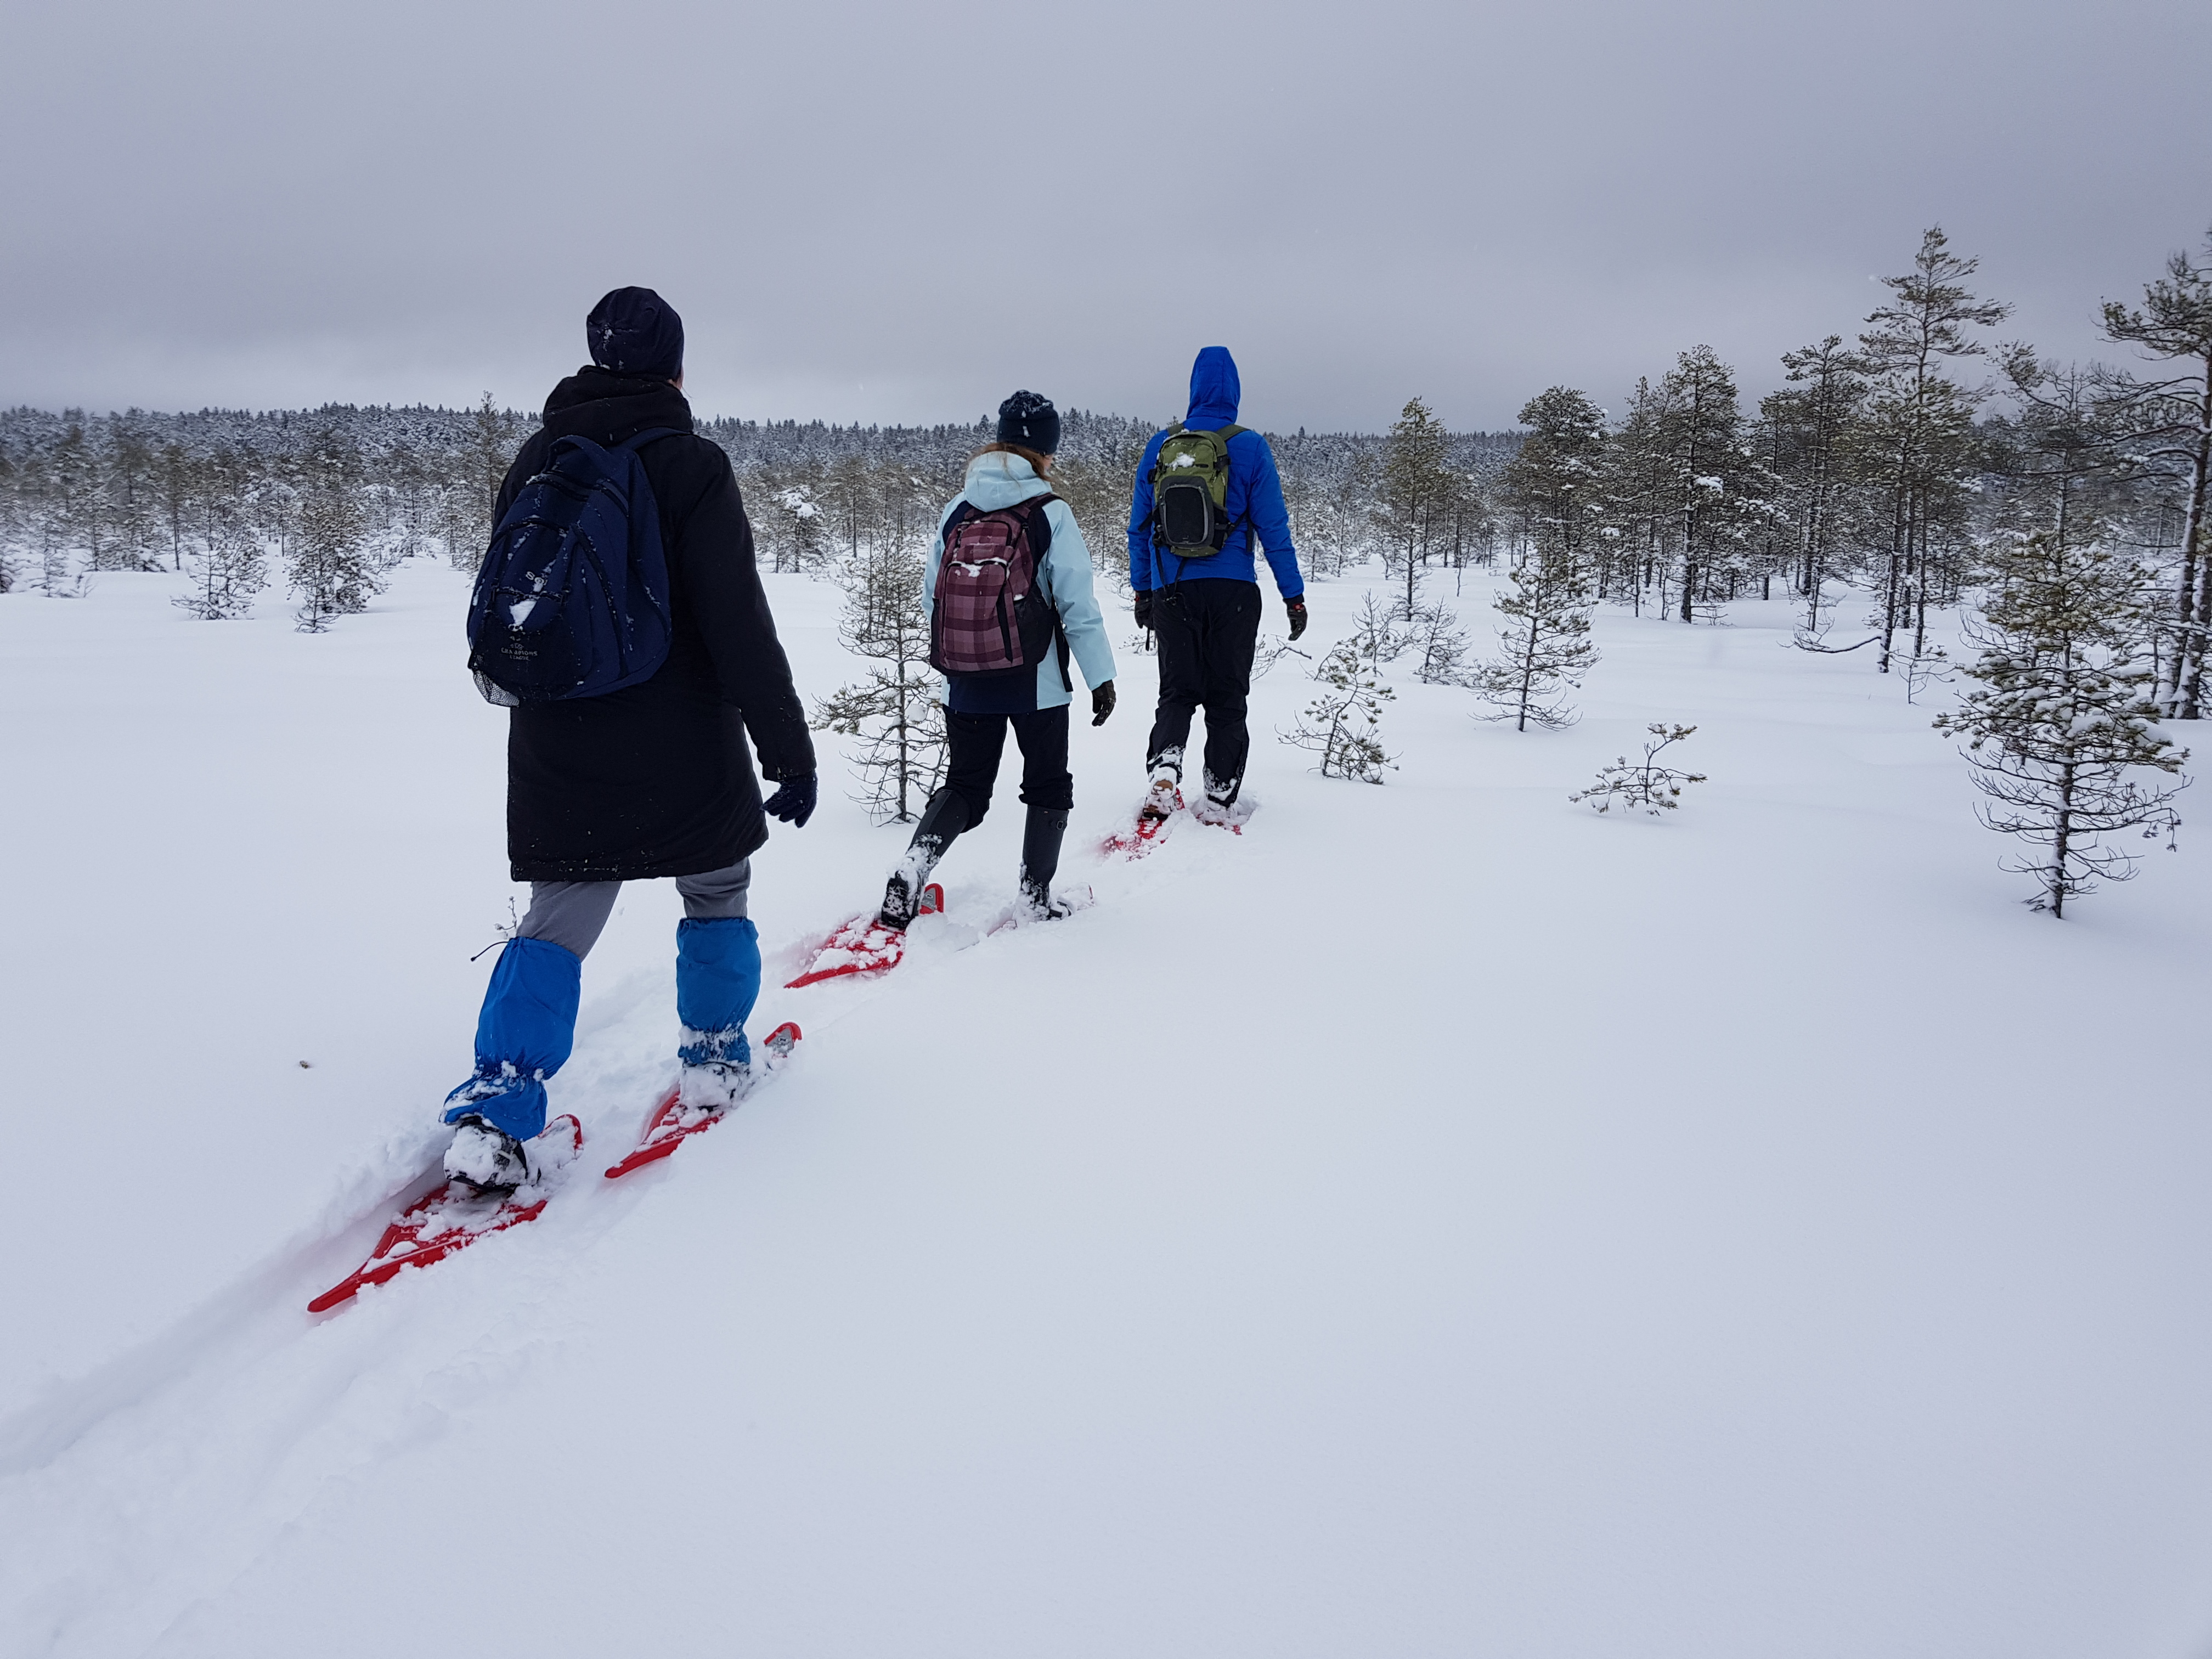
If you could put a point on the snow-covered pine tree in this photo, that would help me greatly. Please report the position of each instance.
(1417, 486)
(1645, 783)
(1636, 505)
(70, 520)
(175, 475)
(2174, 423)
(894, 711)
(475, 466)
(1811, 424)
(130, 530)
(2061, 730)
(1544, 644)
(409, 482)
(1702, 433)
(330, 566)
(226, 565)
(1554, 483)
(1336, 522)
(849, 495)
(1918, 439)
(1343, 724)
(799, 530)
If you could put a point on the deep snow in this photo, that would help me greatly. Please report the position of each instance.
(1439, 1221)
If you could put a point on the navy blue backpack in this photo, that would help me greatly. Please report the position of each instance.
(573, 597)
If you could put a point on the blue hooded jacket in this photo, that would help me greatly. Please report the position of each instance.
(1255, 495)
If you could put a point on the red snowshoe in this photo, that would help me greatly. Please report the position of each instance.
(454, 1215)
(673, 1122)
(1137, 838)
(863, 946)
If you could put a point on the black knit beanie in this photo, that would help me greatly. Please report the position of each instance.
(1031, 422)
(632, 331)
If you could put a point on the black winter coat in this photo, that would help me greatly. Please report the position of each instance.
(654, 779)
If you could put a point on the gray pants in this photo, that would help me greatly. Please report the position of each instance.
(573, 914)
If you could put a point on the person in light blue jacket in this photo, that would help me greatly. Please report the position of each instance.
(979, 707)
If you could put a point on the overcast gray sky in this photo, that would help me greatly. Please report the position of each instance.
(884, 212)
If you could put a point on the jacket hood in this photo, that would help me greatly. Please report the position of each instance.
(1214, 389)
(610, 408)
(997, 480)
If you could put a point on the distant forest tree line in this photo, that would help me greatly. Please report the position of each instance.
(1882, 483)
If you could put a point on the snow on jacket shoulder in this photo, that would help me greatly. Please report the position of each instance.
(1255, 495)
(997, 481)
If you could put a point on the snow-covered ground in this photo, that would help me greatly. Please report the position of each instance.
(1441, 1221)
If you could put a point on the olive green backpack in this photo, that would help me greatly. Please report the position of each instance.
(1190, 492)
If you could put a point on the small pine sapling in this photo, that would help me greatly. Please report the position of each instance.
(1375, 638)
(2064, 722)
(894, 711)
(1271, 649)
(227, 570)
(1343, 724)
(1544, 647)
(1645, 783)
(1441, 644)
(330, 568)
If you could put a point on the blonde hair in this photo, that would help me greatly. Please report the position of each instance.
(1035, 458)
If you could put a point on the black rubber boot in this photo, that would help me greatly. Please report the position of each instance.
(942, 821)
(1040, 838)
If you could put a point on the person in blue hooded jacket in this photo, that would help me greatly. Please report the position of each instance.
(981, 708)
(1205, 607)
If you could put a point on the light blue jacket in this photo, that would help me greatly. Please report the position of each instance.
(997, 481)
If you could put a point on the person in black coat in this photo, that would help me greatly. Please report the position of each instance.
(650, 781)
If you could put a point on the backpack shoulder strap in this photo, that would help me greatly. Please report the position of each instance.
(1226, 433)
(1040, 527)
(638, 441)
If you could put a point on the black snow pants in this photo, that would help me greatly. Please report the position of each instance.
(1208, 631)
(978, 741)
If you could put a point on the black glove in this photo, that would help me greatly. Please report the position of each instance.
(1297, 609)
(795, 802)
(1144, 609)
(1101, 702)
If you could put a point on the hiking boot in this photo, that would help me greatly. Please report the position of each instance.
(1040, 903)
(1229, 814)
(1219, 803)
(1160, 794)
(489, 1159)
(901, 901)
(714, 1085)
(942, 821)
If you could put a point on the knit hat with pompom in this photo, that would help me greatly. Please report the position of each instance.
(1030, 420)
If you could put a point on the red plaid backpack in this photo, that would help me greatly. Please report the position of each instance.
(989, 616)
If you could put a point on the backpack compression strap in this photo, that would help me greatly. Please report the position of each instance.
(1176, 429)
(1039, 527)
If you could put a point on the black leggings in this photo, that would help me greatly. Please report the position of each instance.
(978, 740)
